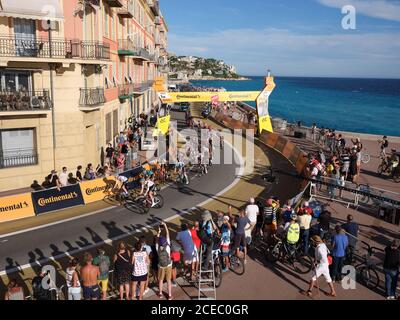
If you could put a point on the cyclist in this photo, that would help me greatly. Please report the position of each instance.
(384, 143)
(182, 171)
(393, 162)
(270, 222)
(149, 185)
(292, 229)
(120, 184)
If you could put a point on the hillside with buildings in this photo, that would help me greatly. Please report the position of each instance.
(197, 68)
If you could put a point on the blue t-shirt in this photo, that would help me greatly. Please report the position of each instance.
(341, 243)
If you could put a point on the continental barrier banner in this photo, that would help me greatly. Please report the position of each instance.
(264, 121)
(52, 199)
(16, 207)
(163, 124)
(170, 97)
(95, 190)
(133, 176)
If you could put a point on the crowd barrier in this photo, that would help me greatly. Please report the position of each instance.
(39, 202)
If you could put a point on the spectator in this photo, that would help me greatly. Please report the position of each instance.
(270, 220)
(197, 242)
(226, 231)
(140, 262)
(79, 174)
(351, 228)
(89, 275)
(176, 260)
(252, 212)
(122, 269)
(323, 225)
(36, 186)
(103, 262)
(90, 173)
(340, 243)
(205, 234)
(120, 163)
(46, 184)
(190, 254)
(240, 238)
(14, 291)
(64, 177)
(109, 155)
(71, 179)
(154, 260)
(147, 248)
(391, 266)
(304, 220)
(54, 180)
(321, 266)
(163, 247)
(73, 283)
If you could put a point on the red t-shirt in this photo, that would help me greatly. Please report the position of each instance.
(175, 256)
(196, 239)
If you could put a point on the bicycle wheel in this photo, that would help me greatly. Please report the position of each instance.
(237, 265)
(396, 178)
(302, 264)
(365, 158)
(159, 200)
(218, 275)
(369, 277)
(272, 253)
(381, 169)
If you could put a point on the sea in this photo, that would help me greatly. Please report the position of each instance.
(357, 105)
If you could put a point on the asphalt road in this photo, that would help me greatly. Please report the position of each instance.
(115, 223)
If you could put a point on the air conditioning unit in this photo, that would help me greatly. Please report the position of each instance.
(35, 102)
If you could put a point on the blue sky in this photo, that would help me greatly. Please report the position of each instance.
(291, 37)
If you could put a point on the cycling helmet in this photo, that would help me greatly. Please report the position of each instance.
(149, 172)
(293, 216)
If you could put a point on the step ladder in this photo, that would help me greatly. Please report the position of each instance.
(206, 284)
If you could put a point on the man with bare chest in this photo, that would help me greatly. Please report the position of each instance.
(89, 274)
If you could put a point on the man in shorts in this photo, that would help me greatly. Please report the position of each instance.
(321, 266)
(240, 235)
(103, 262)
(89, 275)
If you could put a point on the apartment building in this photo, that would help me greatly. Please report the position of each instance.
(71, 73)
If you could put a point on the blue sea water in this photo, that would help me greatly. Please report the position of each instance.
(357, 105)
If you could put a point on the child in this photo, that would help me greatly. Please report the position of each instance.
(176, 260)
(225, 242)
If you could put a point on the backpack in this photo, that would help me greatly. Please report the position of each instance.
(203, 235)
(164, 258)
(104, 266)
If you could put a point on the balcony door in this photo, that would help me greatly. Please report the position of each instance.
(15, 81)
(25, 37)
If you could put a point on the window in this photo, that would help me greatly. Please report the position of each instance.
(18, 148)
(115, 122)
(112, 26)
(15, 80)
(114, 74)
(108, 128)
(106, 24)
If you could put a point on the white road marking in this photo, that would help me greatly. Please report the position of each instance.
(127, 234)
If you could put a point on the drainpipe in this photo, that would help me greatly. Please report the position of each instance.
(53, 121)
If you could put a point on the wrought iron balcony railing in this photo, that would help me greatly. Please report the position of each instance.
(25, 100)
(57, 48)
(91, 97)
(114, 3)
(127, 10)
(154, 6)
(129, 89)
(18, 158)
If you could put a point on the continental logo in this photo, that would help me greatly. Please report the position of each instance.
(187, 96)
(45, 201)
(15, 206)
(239, 96)
(90, 191)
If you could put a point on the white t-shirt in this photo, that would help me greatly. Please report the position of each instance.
(321, 254)
(252, 212)
(63, 177)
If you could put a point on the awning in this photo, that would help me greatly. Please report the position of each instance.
(33, 9)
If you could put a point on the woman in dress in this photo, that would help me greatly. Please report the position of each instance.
(123, 270)
(140, 263)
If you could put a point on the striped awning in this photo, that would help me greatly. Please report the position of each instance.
(33, 9)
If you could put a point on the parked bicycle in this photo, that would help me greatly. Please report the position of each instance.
(293, 256)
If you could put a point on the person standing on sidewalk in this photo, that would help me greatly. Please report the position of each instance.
(321, 266)
(391, 266)
(163, 247)
(122, 270)
(340, 243)
(89, 275)
(103, 262)
(304, 220)
(72, 279)
(252, 211)
(351, 228)
(140, 262)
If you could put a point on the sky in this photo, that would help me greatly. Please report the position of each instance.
(290, 37)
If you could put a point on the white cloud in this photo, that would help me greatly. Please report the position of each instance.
(383, 9)
(288, 53)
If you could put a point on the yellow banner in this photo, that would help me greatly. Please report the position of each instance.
(264, 123)
(163, 124)
(209, 96)
(16, 207)
(94, 190)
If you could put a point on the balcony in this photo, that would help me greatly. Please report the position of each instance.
(127, 48)
(154, 7)
(158, 21)
(91, 97)
(57, 48)
(125, 91)
(15, 101)
(114, 3)
(127, 10)
(18, 158)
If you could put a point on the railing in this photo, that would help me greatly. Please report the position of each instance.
(157, 21)
(154, 6)
(125, 90)
(114, 3)
(91, 96)
(18, 158)
(25, 100)
(57, 48)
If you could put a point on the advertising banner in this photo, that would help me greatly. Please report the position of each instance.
(95, 190)
(163, 124)
(264, 121)
(16, 207)
(133, 176)
(52, 199)
(209, 96)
